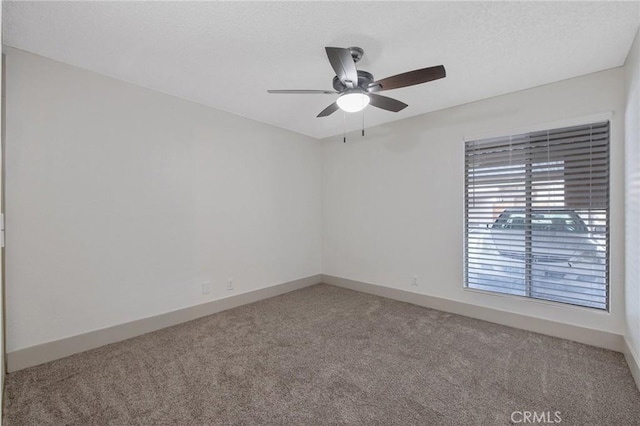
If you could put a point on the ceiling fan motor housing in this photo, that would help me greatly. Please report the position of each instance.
(364, 80)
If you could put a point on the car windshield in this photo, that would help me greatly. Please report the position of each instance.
(542, 221)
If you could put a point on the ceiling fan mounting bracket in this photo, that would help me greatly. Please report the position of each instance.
(356, 53)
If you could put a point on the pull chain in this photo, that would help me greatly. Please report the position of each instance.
(344, 127)
(363, 122)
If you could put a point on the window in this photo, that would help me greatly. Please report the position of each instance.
(537, 215)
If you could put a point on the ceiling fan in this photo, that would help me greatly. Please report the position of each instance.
(357, 88)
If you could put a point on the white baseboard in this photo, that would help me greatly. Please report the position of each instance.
(633, 360)
(599, 338)
(45, 352)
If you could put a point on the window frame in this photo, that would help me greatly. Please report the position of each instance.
(529, 182)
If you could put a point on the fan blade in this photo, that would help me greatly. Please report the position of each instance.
(384, 102)
(409, 78)
(342, 63)
(329, 110)
(303, 92)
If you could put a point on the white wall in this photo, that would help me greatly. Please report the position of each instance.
(632, 196)
(122, 200)
(2, 345)
(393, 201)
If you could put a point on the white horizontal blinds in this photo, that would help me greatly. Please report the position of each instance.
(537, 214)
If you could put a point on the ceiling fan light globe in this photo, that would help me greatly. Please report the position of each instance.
(353, 102)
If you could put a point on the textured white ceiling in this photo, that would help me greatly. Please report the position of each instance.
(227, 54)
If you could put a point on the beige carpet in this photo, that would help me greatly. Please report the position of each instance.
(327, 356)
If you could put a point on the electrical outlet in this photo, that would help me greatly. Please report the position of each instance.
(230, 284)
(414, 281)
(206, 287)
